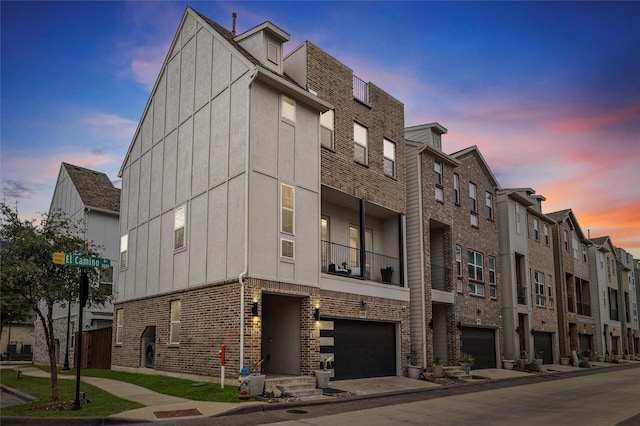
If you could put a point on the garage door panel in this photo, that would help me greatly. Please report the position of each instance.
(542, 342)
(362, 349)
(481, 343)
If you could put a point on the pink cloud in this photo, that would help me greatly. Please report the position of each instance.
(594, 121)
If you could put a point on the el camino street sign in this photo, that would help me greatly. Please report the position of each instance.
(72, 259)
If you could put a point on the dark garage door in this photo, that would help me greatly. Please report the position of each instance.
(481, 343)
(362, 349)
(542, 343)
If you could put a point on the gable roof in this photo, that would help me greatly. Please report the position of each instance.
(95, 188)
(473, 150)
(567, 214)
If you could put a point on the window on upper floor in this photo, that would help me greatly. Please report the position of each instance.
(575, 249)
(584, 253)
(458, 260)
(518, 220)
(493, 292)
(489, 204)
(474, 264)
(456, 188)
(179, 227)
(536, 230)
(287, 209)
(174, 332)
(106, 279)
(476, 288)
(287, 248)
(550, 289)
(566, 240)
(288, 109)
(360, 143)
(389, 158)
(546, 234)
(492, 269)
(437, 169)
(613, 304)
(326, 129)
(124, 247)
(539, 282)
(473, 197)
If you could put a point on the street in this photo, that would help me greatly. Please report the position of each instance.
(574, 400)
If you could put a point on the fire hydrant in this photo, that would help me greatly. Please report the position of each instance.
(244, 383)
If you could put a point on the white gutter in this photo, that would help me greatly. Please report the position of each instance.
(246, 221)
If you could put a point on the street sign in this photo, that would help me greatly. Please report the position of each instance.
(71, 259)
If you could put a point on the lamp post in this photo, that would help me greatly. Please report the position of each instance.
(65, 367)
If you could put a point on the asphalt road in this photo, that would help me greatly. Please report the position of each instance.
(595, 397)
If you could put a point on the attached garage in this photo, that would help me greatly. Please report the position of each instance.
(481, 343)
(542, 342)
(360, 348)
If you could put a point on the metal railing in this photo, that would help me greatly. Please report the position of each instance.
(522, 294)
(584, 309)
(440, 277)
(338, 259)
(361, 90)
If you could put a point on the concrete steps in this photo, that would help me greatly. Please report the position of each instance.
(455, 372)
(300, 387)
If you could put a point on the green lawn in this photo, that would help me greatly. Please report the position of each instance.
(101, 403)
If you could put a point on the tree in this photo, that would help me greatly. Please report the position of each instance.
(30, 278)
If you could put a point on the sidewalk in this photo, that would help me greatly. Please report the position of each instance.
(159, 407)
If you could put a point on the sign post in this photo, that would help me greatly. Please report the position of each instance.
(84, 262)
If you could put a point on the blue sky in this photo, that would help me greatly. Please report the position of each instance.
(548, 91)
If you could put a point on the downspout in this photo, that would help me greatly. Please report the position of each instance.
(246, 220)
(423, 322)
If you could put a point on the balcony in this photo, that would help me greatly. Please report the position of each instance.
(522, 294)
(584, 309)
(440, 277)
(344, 261)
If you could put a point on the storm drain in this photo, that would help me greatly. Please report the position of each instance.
(296, 411)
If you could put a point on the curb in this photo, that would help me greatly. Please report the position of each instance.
(15, 392)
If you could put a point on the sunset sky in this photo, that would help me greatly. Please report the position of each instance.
(548, 91)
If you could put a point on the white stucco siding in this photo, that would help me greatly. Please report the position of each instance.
(153, 258)
(307, 149)
(173, 93)
(204, 50)
(200, 167)
(217, 236)
(141, 254)
(134, 191)
(146, 131)
(265, 113)
(159, 106)
(124, 202)
(219, 141)
(127, 277)
(198, 240)
(145, 187)
(263, 259)
(166, 253)
(185, 153)
(66, 198)
(238, 122)
(307, 270)
(236, 218)
(221, 74)
(169, 172)
(286, 152)
(187, 79)
(157, 161)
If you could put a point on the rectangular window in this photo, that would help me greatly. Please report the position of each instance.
(493, 292)
(119, 325)
(474, 220)
(492, 269)
(106, 280)
(518, 227)
(287, 204)
(287, 248)
(473, 198)
(179, 221)
(474, 264)
(459, 286)
(326, 129)
(550, 289)
(456, 188)
(288, 109)
(124, 243)
(546, 234)
(459, 260)
(575, 249)
(437, 168)
(360, 143)
(477, 289)
(536, 231)
(489, 202)
(389, 158)
(324, 237)
(566, 240)
(439, 193)
(174, 332)
(539, 280)
(613, 304)
(584, 253)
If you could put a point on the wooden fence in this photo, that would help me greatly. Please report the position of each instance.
(96, 348)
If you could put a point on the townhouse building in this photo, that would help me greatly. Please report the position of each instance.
(605, 297)
(627, 299)
(527, 285)
(87, 195)
(576, 325)
(263, 204)
(453, 247)
(636, 280)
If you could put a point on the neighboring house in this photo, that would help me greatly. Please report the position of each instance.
(239, 227)
(605, 297)
(627, 297)
(636, 279)
(576, 325)
(87, 195)
(527, 268)
(17, 339)
(452, 242)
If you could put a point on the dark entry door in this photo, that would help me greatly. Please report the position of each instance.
(481, 343)
(362, 349)
(542, 342)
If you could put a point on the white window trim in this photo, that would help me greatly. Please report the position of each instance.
(327, 122)
(492, 270)
(476, 289)
(456, 188)
(489, 205)
(283, 113)
(124, 251)
(176, 228)
(475, 265)
(119, 326)
(172, 322)
(293, 244)
(386, 142)
(473, 195)
(364, 144)
(292, 210)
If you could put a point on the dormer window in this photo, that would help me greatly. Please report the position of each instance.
(273, 53)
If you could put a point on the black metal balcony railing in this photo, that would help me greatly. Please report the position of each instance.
(440, 277)
(570, 304)
(522, 295)
(361, 90)
(338, 259)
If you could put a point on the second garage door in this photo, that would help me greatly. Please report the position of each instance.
(481, 343)
(361, 348)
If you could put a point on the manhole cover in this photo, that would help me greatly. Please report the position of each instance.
(296, 411)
